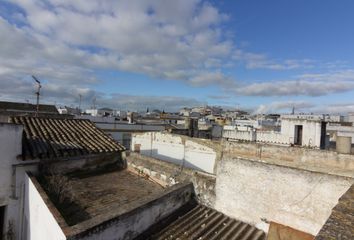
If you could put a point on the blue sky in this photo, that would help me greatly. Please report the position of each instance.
(263, 56)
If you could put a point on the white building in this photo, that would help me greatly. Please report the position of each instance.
(295, 130)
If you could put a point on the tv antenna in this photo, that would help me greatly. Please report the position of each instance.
(38, 93)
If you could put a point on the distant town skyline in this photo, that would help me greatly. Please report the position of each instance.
(262, 56)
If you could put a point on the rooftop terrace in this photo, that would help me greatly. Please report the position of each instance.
(97, 194)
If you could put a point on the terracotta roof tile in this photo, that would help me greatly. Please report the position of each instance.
(54, 138)
(205, 223)
(340, 224)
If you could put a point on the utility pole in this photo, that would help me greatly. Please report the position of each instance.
(37, 93)
(94, 103)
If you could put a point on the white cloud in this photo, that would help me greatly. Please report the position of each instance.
(63, 42)
(282, 106)
(306, 85)
(262, 61)
(67, 40)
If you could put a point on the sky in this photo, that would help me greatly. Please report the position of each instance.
(260, 56)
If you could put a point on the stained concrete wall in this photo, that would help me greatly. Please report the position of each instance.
(192, 153)
(84, 163)
(254, 191)
(169, 174)
(10, 191)
(10, 148)
(39, 222)
(327, 161)
(133, 222)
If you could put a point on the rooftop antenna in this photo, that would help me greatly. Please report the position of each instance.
(80, 96)
(37, 93)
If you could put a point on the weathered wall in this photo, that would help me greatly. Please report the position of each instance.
(84, 163)
(327, 161)
(134, 221)
(10, 148)
(249, 135)
(254, 190)
(38, 220)
(10, 191)
(169, 174)
(192, 153)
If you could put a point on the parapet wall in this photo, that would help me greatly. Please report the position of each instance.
(168, 174)
(134, 220)
(318, 160)
(198, 154)
(258, 192)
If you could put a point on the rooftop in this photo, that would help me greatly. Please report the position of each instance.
(27, 107)
(53, 138)
(202, 222)
(98, 193)
(340, 223)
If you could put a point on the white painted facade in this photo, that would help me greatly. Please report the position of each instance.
(10, 148)
(311, 132)
(176, 149)
(12, 178)
(257, 192)
(39, 221)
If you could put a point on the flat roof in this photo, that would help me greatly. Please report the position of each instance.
(97, 194)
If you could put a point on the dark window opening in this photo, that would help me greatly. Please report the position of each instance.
(2, 220)
(323, 135)
(298, 135)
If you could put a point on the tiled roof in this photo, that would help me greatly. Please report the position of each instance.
(27, 107)
(54, 138)
(340, 224)
(203, 223)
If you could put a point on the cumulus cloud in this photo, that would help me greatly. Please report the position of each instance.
(64, 42)
(306, 85)
(167, 40)
(52, 93)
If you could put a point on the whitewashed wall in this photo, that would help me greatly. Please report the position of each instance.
(311, 131)
(176, 149)
(41, 224)
(240, 135)
(271, 137)
(252, 191)
(10, 147)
